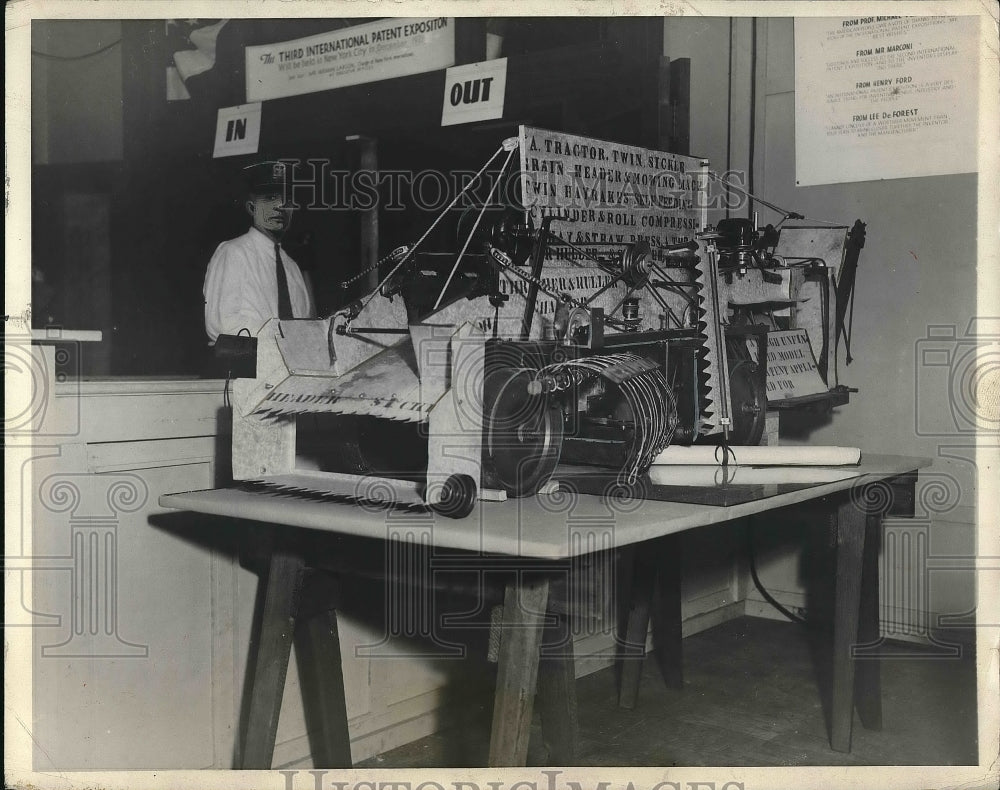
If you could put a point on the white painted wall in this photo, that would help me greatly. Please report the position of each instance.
(918, 269)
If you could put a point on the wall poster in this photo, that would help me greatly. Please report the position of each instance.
(875, 94)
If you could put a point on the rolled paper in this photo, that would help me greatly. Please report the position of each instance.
(709, 476)
(704, 454)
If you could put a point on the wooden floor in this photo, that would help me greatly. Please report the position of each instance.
(752, 696)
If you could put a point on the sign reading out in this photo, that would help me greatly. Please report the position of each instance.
(354, 55)
(237, 130)
(474, 92)
(604, 193)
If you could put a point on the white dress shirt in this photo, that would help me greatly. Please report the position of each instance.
(241, 289)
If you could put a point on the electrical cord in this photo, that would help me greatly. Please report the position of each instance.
(84, 56)
(226, 400)
(725, 182)
(760, 587)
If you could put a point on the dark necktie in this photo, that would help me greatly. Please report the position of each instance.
(284, 299)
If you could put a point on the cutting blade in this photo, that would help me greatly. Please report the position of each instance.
(714, 401)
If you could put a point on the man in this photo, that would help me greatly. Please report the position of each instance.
(250, 279)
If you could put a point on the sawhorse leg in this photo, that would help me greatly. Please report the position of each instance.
(668, 644)
(557, 683)
(652, 589)
(868, 679)
(268, 661)
(267, 667)
(855, 622)
(524, 607)
(893, 497)
(317, 646)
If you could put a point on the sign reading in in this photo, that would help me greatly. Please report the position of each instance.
(603, 192)
(474, 92)
(237, 130)
(354, 55)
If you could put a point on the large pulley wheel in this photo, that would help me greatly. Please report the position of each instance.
(514, 235)
(749, 401)
(522, 433)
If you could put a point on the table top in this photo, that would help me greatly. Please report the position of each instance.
(550, 526)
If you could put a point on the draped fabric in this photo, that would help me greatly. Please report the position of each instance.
(192, 47)
(206, 58)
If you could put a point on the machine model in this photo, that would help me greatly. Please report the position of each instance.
(479, 374)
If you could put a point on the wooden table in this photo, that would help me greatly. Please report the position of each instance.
(538, 532)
